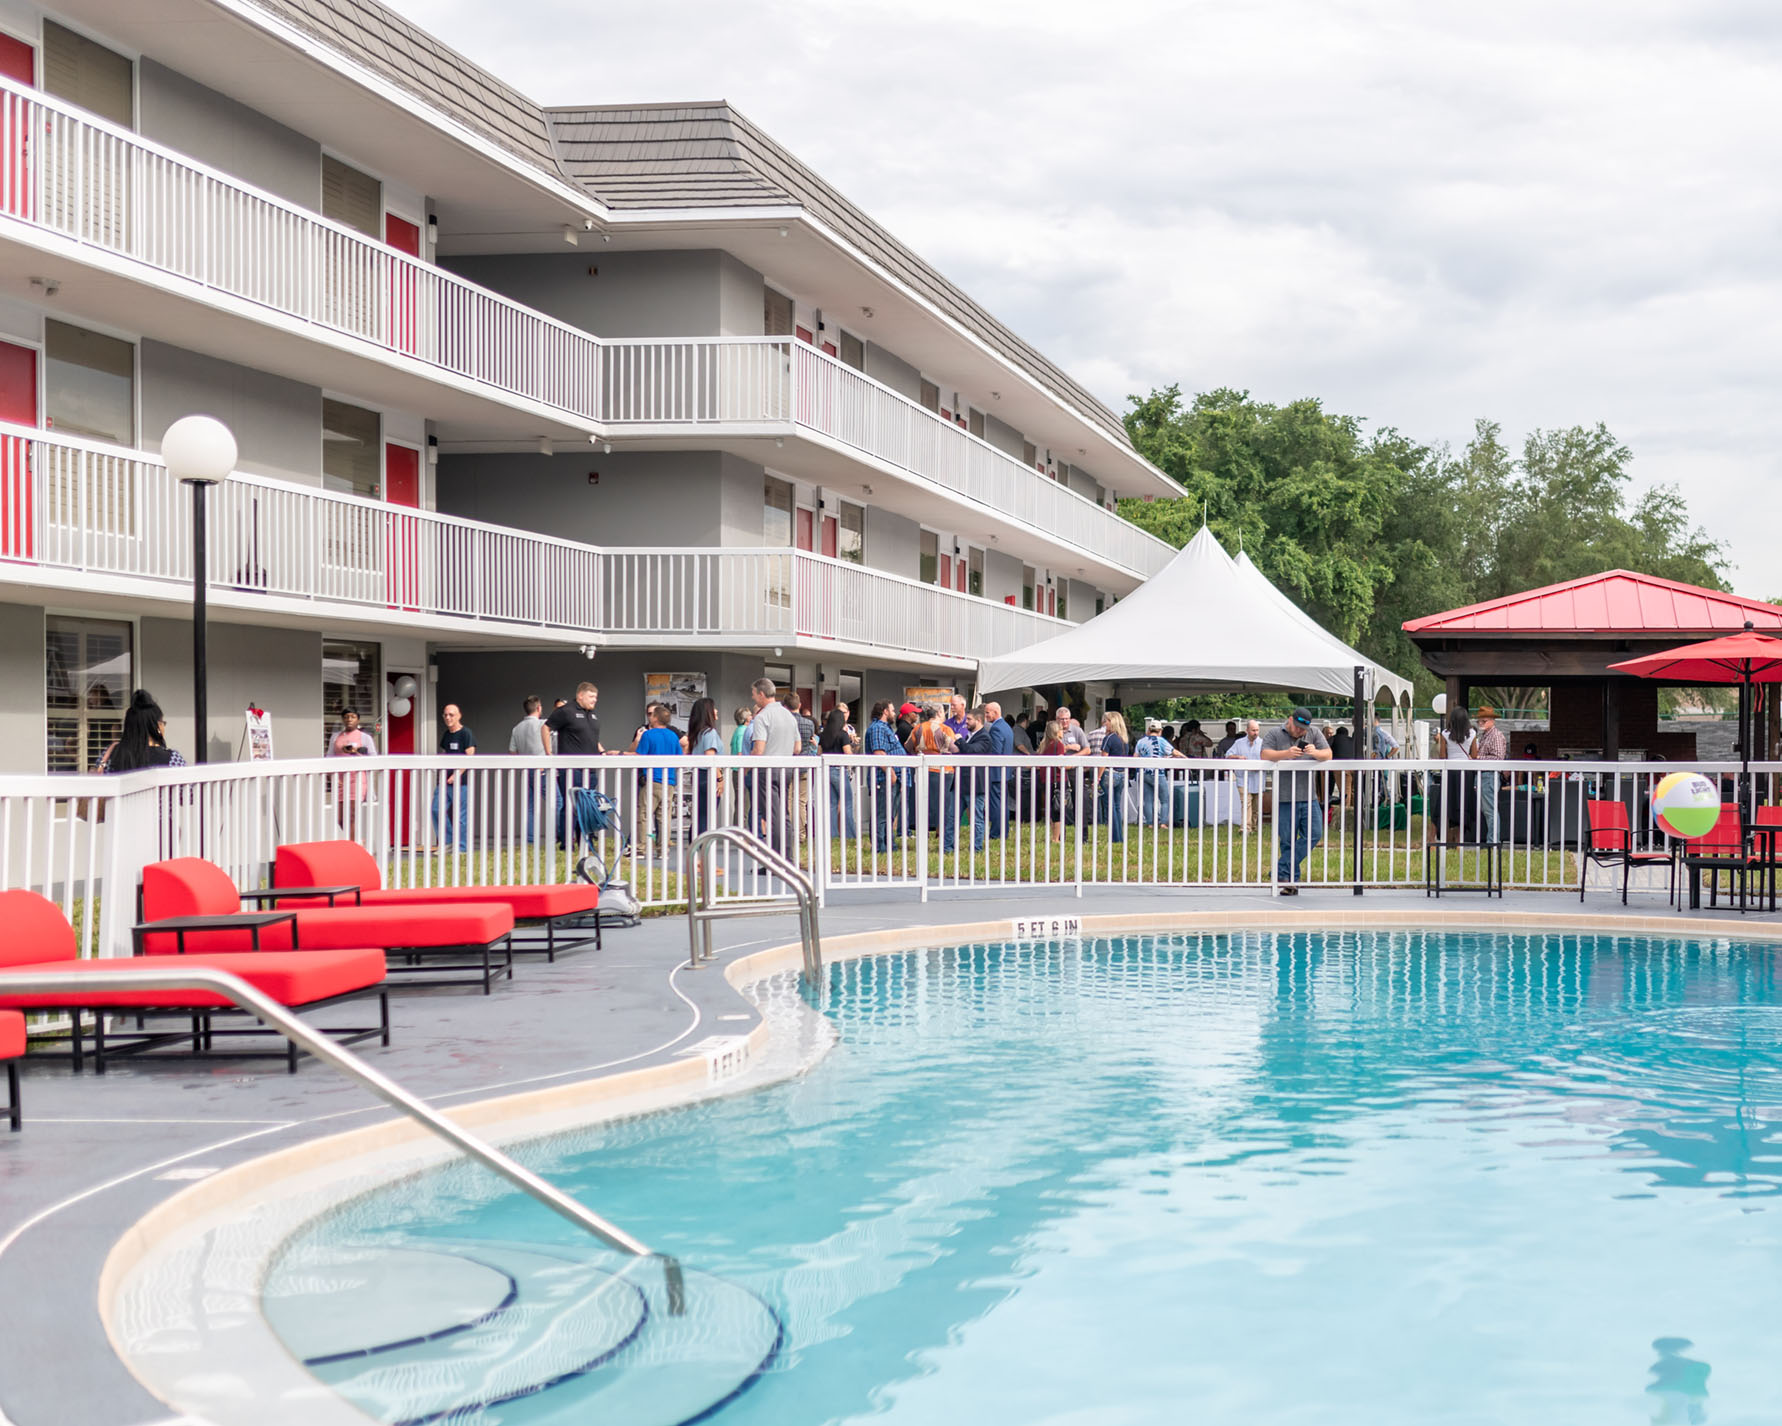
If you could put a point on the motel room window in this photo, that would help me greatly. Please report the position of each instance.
(88, 680)
(89, 384)
(1028, 576)
(352, 449)
(352, 677)
(776, 313)
(974, 577)
(99, 80)
(352, 198)
(776, 515)
(853, 351)
(928, 561)
(851, 533)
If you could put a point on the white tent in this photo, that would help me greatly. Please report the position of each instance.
(1203, 622)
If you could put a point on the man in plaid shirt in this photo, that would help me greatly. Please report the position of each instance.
(881, 742)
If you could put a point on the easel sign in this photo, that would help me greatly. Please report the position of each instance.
(257, 735)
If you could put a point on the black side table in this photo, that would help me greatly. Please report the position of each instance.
(1435, 855)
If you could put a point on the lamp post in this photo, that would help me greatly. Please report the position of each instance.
(200, 452)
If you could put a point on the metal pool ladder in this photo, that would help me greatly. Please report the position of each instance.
(275, 1017)
(702, 911)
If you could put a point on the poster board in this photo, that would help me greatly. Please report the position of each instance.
(926, 695)
(680, 691)
(257, 735)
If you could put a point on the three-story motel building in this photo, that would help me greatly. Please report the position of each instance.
(509, 384)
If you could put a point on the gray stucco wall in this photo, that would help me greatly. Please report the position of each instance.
(279, 670)
(277, 423)
(21, 691)
(740, 311)
(683, 498)
(1083, 483)
(647, 294)
(1002, 576)
(1004, 437)
(893, 543)
(214, 129)
(490, 686)
(894, 371)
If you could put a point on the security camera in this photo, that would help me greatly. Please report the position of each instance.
(588, 651)
(587, 225)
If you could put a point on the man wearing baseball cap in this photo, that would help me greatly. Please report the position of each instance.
(1299, 816)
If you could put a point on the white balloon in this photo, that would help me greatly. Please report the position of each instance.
(1439, 704)
(404, 687)
(399, 707)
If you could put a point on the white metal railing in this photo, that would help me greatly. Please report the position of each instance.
(102, 185)
(926, 826)
(79, 505)
(778, 381)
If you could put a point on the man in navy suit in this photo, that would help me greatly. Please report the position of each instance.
(990, 737)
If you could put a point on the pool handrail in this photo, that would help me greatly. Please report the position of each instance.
(701, 912)
(275, 1017)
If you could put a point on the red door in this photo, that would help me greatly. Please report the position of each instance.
(18, 404)
(806, 530)
(18, 62)
(829, 545)
(405, 237)
(402, 486)
(944, 576)
(830, 699)
(399, 741)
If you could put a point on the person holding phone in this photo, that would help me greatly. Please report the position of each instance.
(1299, 816)
(350, 790)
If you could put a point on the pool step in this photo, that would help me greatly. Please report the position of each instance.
(521, 1334)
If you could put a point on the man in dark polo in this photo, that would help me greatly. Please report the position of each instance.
(1299, 816)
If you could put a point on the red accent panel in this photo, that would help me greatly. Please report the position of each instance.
(18, 403)
(18, 61)
(405, 237)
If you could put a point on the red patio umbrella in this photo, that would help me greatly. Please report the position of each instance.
(1743, 658)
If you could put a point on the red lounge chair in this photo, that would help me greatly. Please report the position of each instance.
(1608, 842)
(342, 863)
(187, 891)
(12, 1045)
(36, 936)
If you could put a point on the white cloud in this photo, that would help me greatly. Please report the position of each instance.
(1420, 213)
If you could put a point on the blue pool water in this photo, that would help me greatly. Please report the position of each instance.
(1372, 1178)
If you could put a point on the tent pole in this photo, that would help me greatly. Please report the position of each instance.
(1363, 747)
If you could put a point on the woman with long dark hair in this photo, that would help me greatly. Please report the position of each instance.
(1457, 738)
(143, 742)
(703, 741)
(834, 741)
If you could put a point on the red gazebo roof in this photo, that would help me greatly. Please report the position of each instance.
(1617, 602)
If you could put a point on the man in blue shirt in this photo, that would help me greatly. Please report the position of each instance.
(661, 741)
(881, 742)
(992, 738)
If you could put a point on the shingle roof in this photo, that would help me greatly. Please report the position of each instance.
(407, 55)
(1618, 601)
(710, 156)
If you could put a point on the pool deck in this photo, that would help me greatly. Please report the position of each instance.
(97, 1153)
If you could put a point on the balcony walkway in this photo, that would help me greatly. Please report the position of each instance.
(96, 1154)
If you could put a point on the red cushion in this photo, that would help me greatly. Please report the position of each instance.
(528, 903)
(187, 886)
(12, 1034)
(336, 863)
(337, 927)
(294, 978)
(33, 930)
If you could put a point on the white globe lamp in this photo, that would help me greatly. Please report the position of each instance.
(200, 452)
(1439, 704)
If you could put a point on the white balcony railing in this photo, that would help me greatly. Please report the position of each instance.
(69, 504)
(102, 185)
(773, 381)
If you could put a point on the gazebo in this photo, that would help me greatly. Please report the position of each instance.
(1565, 636)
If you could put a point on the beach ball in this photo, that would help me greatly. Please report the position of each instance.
(1686, 804)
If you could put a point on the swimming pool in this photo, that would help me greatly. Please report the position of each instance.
(1381, 1177)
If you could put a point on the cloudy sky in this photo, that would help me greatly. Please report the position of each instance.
(1419, 213)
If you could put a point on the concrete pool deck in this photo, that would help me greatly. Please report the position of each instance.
(98, 1153)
